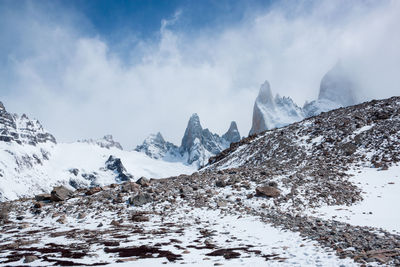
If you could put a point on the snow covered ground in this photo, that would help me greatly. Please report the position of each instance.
(195, 235)
(380, 205)
(26, 170)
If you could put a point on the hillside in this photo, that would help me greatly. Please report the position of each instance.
(319, 192)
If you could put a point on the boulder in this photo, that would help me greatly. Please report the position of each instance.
(267, 191)
(140, 199)
(129, 187)
(143, 181)
(43, 197)
(61, 193)
(30, 258)
(220, 183)
(93, 191)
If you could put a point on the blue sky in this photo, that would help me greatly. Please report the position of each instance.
(131, 68)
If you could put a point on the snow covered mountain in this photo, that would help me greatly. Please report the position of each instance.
(32, 162)
(197, 146)
(336, 90)
(107, 142)
(270, 112)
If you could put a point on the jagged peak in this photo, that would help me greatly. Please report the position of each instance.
(265, 94)
(338, 86)
(2, 106)
(232, 135)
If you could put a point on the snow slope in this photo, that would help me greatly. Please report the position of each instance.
(378, 208)
(27, 170)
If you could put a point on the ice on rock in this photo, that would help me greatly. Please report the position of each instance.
(106, 142)
(337, 89)
(270, 112)
(197, 145)
(156, 147)
(232, 135)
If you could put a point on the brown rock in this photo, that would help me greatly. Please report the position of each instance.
(267, 191)
(93, 190)
(61, 193)
(43, 197)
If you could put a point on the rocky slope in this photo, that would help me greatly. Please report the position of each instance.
(255, 202)
(197, 146)
(337, 89)
(22, 130)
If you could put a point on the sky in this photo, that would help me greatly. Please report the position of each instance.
(131, 68)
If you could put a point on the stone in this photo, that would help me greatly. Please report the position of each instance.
(140, 199)
(61, 193)
(62, 219)
(93, 191)
(38, 205)
(128, 187)
(143, 181)
(30, 258)
(267, 191)
(220, 183)
(43, 197)
(139, 218)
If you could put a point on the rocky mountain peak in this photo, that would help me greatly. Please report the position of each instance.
(193, 130)
(271, 112)
(21, 129)
(106, 142)
(232, 135)
(265, 96)
(338, 87)
(156, 147)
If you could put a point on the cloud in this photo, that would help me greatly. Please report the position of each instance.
(79, 87)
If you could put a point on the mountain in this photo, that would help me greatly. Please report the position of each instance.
(232, 135)
(320, 192)
(22, 130)
(107, 142)
(197, 145)
(337, 89)
(270, 112)
(156, 147)
(32, 162)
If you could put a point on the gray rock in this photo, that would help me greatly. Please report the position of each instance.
(140, 199)
(267, 191)
(61, 193)
(30, 258)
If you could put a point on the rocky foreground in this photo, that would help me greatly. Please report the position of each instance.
(247, 207)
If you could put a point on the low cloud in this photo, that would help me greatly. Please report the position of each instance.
(79, 87)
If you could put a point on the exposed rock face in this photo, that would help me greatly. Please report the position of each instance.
(22, 130)
(198, 143)
(156, 147)
(337, 90)
(197, 146)
(270, 112)
(107, 142)
(115, 164)
(232, 135)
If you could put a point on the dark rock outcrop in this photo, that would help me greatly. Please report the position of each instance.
(115, 164)
(61, 193)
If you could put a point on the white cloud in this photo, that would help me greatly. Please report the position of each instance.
(78, 87)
